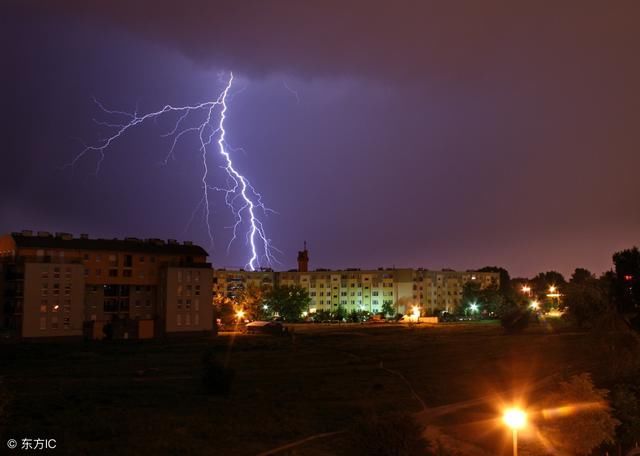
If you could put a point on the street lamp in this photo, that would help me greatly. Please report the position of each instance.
(240, 314)
(535, 305)
(515, 419)
(526, 289)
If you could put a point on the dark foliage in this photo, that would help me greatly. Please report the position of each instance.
(627, 279)
(515, 319)
(395, 434)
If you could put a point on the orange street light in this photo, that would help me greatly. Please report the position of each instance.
(515, 419)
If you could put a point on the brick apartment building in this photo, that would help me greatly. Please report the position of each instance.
(55, 285)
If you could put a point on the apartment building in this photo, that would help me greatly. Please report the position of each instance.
(356, 289)
(59, 285)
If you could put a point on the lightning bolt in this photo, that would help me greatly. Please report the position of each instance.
(240, 196)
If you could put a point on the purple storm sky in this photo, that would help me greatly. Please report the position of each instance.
(460, 135)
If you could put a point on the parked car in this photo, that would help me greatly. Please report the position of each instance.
(265, 327)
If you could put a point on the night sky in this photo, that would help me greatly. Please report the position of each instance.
(458, 135)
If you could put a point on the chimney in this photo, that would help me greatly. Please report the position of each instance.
(303, 259)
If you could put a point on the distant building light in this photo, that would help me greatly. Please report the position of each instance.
(628, 277)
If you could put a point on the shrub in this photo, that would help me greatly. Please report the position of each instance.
(396, 434)
(515, 319)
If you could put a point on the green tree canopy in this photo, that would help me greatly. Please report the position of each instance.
(489, 299)
(388, 309)
(288, 301)
(590, 422)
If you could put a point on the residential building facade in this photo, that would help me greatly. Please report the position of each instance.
(58, 285)
(356, 289)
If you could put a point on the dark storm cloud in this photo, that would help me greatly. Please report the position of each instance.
(406, 40)
(428, 134)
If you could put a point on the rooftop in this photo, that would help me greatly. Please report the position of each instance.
(46, 240)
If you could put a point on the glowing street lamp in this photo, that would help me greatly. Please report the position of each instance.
(526, 289)
(240, 314)
(535, 305)
(473, 307)
(515, 419)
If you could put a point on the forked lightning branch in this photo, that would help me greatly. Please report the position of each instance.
(206, 121)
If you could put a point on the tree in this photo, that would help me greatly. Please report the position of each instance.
(587, 301)
(340, 313)
(223, 309)
(505, 279)
(388, 309)
(515, 318)
(544, 280)
(250, 300)
(626, 403)
(542, 284)
(627, 279)
(288, 301)
(581, 275)
(590, 423)
(488, 299)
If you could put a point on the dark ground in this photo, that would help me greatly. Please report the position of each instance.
(147, 397)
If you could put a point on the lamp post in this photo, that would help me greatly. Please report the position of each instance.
(515, 419)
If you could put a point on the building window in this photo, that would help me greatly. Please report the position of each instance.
(54, 322)
(196, 319)
(196, 304)
(66, 323)
(179, 320)
(113, 273)
(98, 272)
(43, 306)
(127, 273)
(187, 320)
(43, 323)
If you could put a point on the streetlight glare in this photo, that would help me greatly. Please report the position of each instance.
(515, 418)
(534, 305)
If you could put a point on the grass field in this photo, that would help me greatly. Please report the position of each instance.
(147, 397)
